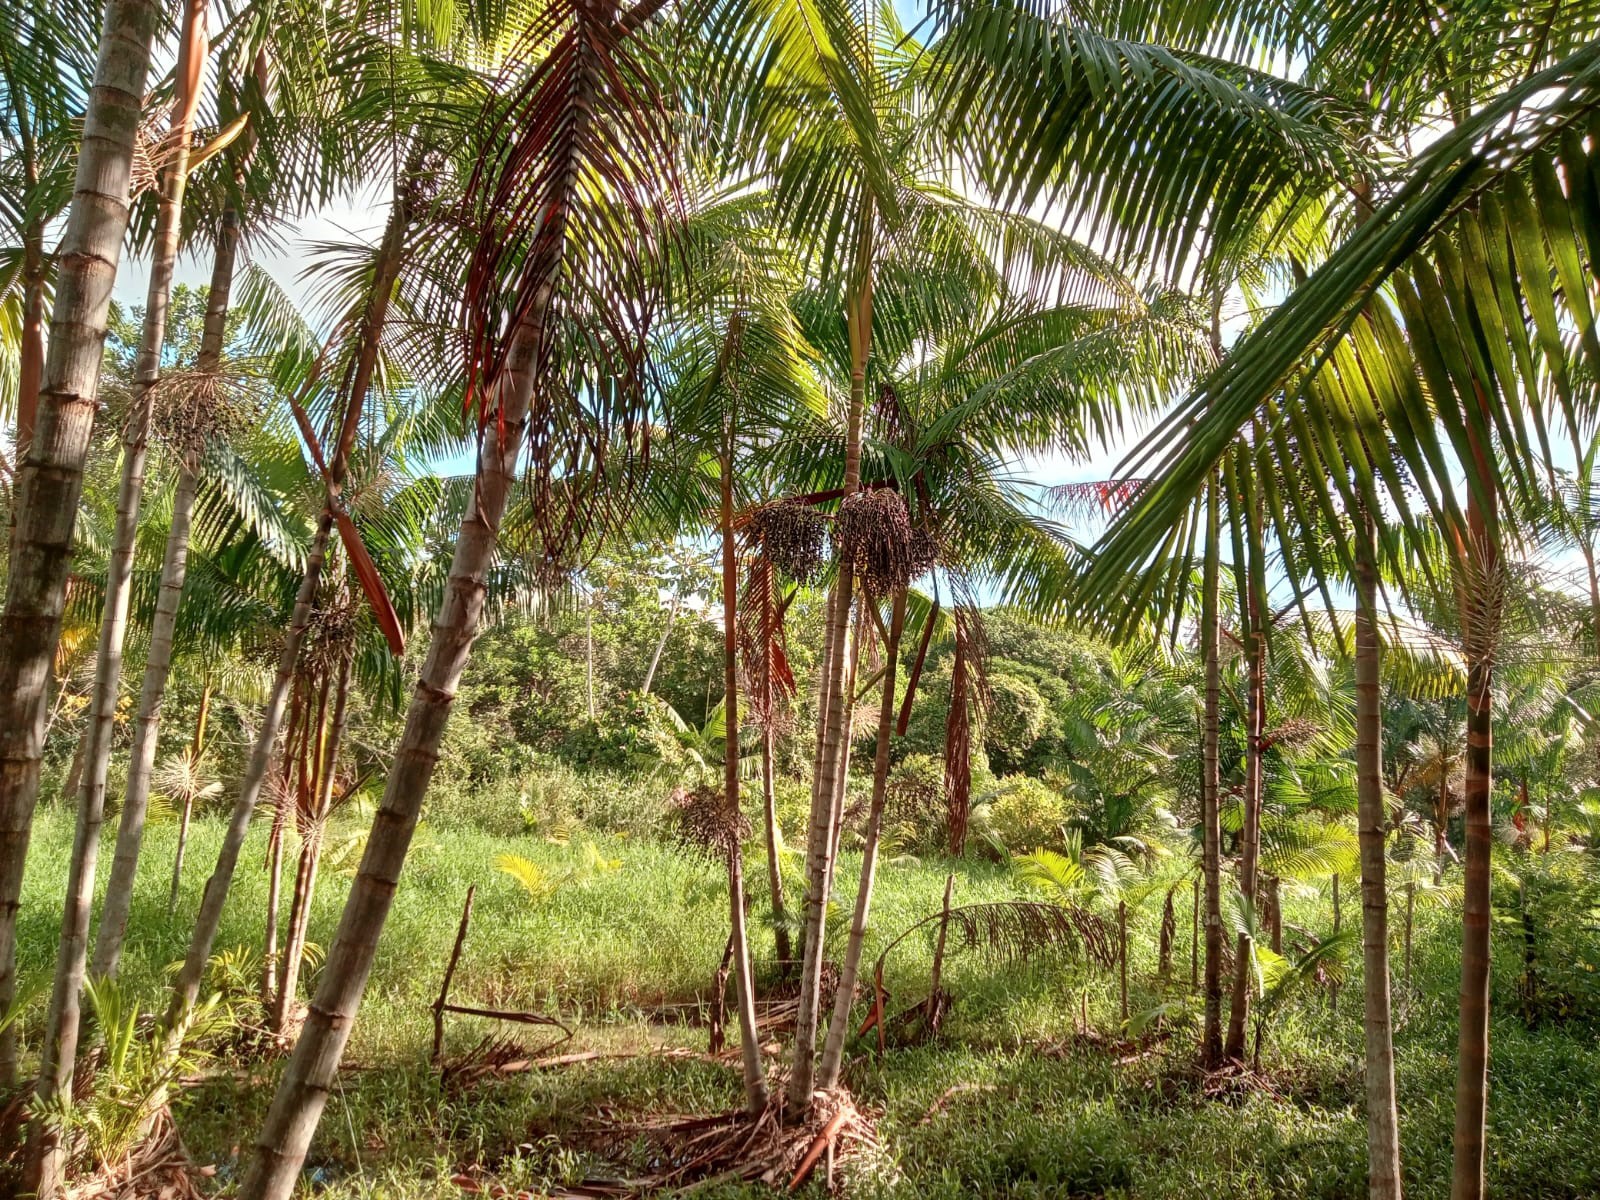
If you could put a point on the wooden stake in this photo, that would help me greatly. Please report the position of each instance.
(1194, 938)
(449, 974)
(1122, 936)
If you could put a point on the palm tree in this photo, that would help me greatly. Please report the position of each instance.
(50, 478)
(1383, 1133)
(44, 69)
(586, 107)
(366, 323)
(200, 393)
(174, 178)
(1469, 236)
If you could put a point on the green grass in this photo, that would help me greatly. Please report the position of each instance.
(627, 956)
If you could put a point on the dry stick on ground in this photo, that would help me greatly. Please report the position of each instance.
(50, 475)
(450, 974)
(936, 1005)
(717, 1020)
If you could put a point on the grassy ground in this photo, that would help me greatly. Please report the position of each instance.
(627, 954)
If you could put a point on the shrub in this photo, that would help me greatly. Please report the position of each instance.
(1019, 814)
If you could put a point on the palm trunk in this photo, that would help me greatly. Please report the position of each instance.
(184, 817)
(280, 822)
(1383, 1132)
(45, 1163)
(588, 656)
(158, 663)
(385, 273)
(958, 747)
(75, 770)
(294, 946)
(135, 451)
(31, 351)
(854, 643)
(269, 937)
(311, 850)
(50, 476)
(839, 1026)
(1250, 836)
(297, 1106)
(30, 347)
(755, 1080)
(186, 989)
(1210, 777)
(655, 658)
(1479, 621)
(1274, 907)
(821, 835)
(1411, 912)
(769, 806)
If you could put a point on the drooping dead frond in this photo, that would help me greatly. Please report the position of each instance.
(1016, 930)
(1092, 498)
(968, 695)
(572, 196)
(769, 678)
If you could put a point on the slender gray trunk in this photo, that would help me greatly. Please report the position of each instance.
(755, 1080)
(1210, 778)
(661, 645)
(1383, 1129)
(45, 1163)
(50, 475)
(186, 990)
(297, 1106)
(839, 1025)
(834, 702)
(158, 664)
(769, 808)
(386, 271)
(1250, 836)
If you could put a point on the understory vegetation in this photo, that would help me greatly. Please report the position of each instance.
(624, 598)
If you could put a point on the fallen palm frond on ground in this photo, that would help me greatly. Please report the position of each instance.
(159, 1168)
(734, 1146)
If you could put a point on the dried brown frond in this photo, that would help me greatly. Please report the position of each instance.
(158, 1169)
(769, 679)
(835, 1135)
